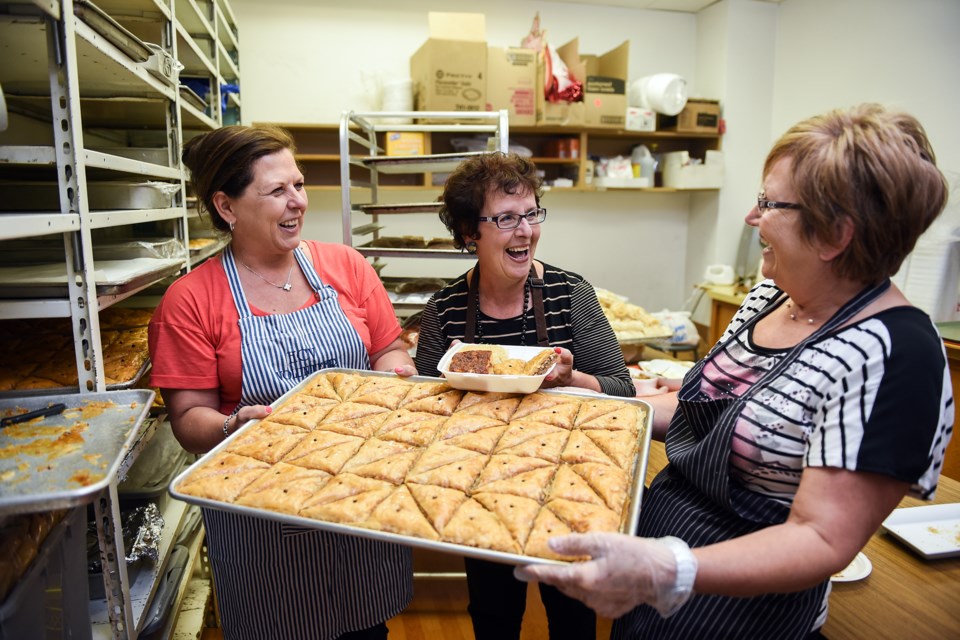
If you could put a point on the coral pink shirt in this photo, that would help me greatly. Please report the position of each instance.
(195, 337)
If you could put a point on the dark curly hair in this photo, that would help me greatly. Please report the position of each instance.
(222, 160)
(466, 189)
(872, 166)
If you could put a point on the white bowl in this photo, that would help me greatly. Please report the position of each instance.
(492, 382)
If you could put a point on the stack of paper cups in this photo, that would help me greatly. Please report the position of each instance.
(397, 96)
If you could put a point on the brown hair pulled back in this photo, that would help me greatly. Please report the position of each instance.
(223, 159)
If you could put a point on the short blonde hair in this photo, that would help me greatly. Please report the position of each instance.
(872, 166)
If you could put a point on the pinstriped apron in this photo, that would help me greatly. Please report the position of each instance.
(693, 499)
(280, 581)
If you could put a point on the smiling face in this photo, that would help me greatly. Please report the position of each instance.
(268, 215)
(786, 253)
(507, 253)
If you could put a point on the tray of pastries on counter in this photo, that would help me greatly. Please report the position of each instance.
(631, 323)
(417, 462)
(38, 354)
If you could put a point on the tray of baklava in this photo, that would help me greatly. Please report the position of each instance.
(417, 462)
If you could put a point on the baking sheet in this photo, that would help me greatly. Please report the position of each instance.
(412, 207)
(102, 427)
(628, 523)
(111, 276)
(933, 531)
(110, 29)
(48, 391)
(438, 162)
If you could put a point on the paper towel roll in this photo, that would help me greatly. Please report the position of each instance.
(665, 93)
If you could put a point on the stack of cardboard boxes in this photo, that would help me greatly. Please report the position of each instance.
(455, 70)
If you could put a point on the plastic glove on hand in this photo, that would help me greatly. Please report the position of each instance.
(624, 572)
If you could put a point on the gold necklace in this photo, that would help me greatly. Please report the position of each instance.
(285, 286)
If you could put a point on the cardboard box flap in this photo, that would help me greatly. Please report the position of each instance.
(613, 65)
(471, 27)
(570, 54)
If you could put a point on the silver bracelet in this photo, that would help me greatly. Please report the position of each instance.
(226, 423)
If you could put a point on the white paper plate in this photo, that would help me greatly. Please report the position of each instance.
(859, 569)
(932, 531)
(490, 382)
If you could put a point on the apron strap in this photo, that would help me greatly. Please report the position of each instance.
(536, 290)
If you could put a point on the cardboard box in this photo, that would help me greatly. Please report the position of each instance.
(699, 116)
(679, 173)
(641, 119)
(404, 143)
(604, 81)
(512, 83)
(449, 69)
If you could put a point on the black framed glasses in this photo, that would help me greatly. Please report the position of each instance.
(763, 204)
(512, 220)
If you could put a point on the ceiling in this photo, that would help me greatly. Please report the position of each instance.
(687, 6)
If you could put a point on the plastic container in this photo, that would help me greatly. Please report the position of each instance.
(51, 600)
(491, 382)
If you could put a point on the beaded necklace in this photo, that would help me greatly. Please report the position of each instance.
(523, 314)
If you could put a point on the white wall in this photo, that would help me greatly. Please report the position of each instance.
(306, 61)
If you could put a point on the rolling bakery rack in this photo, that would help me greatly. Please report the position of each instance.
(364, 165)
(100, 98)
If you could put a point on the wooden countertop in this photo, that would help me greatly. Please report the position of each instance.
(904, 596)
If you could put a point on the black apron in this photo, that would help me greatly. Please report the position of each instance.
(694, 500)
(536, 294)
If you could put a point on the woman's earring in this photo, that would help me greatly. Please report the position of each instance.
(471, 247)
(232, 226)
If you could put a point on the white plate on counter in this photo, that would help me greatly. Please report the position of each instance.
(932, 531)
(859, 569)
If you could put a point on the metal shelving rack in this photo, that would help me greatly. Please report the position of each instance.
(76, 98)
(362, 163)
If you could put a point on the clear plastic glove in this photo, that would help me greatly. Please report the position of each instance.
(624, 572)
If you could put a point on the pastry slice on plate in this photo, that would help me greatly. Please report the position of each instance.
(284, 488)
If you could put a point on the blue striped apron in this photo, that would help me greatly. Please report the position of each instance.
(693, 499)
(275, 580)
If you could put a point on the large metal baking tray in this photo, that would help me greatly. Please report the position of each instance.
(49, 391)
(628, 524)
(112, 277)
(110, 29)
(34, 481)
(411, 207)
(438, 162)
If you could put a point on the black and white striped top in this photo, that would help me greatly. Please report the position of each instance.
(574, 320)
(874, 396)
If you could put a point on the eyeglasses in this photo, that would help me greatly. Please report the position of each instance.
(764, 204)
(512, 220)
